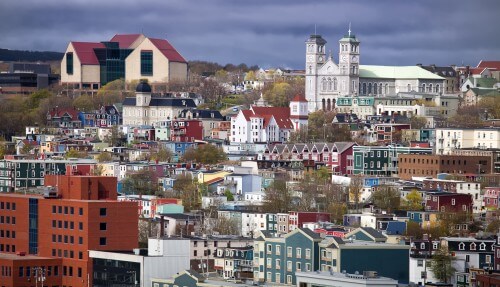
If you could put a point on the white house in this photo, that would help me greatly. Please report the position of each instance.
(269, 124)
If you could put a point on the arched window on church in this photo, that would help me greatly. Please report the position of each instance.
(334, 84)
(323, 84)
(437, 89)
(386, 89)
(375, 89)
(430, 88)
(310, 69)
(380, 89)
(408, 88)
(364, 88)
(353, 70)
(329, 84)
(423, 88)
(328, 105)
(324, 104)
(369, 88)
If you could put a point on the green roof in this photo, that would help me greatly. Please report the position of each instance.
(485, 82)
(396, 72)
(485, 92)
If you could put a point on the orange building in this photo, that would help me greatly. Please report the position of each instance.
(75, 214)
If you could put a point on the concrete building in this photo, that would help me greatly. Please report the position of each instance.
(163, 258)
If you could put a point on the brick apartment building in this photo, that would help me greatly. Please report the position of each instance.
(421, 165)
(55, 230)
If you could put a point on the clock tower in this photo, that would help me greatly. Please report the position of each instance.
(315, 58)
(349, 64)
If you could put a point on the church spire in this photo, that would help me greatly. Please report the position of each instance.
(349, 29)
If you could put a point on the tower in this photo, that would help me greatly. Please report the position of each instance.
(143, 94)
(315, 58)
(299, 114)
(349, 64)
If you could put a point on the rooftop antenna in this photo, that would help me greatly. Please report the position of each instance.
(349, 29)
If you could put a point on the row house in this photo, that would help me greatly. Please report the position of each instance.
(19, 174)
(337, 156)
(296, 219)
(277, 259)
(381, 160)
(449, 139)
(421, 253)
(63, 118)
(234, 262)
(448, 202)
(210, 119)
(426, 219)
(470, 253)
(106, 117)
(186, 130)
(490, 197)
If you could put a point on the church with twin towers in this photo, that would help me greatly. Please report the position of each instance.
(326, 79)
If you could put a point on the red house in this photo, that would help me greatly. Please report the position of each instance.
(296, 218)
(448, 202)
(490, 197)
(186, 130)
(341, 159)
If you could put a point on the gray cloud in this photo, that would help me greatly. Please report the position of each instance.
(263, 32)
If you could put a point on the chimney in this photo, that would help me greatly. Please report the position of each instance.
(162, 226)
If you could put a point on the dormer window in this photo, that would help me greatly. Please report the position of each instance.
(461, 246)
(482, 246)
(473, 246)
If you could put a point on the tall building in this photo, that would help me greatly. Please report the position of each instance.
(90, 65)
(55, 230)
(327, 80)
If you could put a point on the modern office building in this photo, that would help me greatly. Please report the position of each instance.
(56, 229)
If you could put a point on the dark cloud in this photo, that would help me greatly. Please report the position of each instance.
(263, 32)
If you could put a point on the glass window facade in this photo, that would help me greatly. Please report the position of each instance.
(146, 63)
(111, 61)
(33, 226)
(69, 63)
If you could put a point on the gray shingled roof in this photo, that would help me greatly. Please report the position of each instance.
(311, 233)
(373, 232)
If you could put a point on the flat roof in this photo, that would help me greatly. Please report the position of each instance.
(9, 256)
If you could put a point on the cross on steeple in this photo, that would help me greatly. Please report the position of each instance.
(349, 29)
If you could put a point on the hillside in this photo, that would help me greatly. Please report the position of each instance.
(29, 56)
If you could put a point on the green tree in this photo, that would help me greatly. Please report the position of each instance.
(491, 104)
(2, 150)
(229, 195)
(205, 154)
(114, 137)
(73, 153)
(221, 76)
(104, 157)
(355, 190)
(143, 182)
(161, 154)
(113, 92)
(250, 76)
(442, 265)
(186, 189)
(414, 230)
(33, 101)
(413, 200)
(337, 211)
(84, 103)
(279, 95)
(386, 197)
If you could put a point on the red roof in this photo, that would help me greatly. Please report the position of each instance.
(476, 71)
(59, 112)
(489, 64)
(168, 50)
(247, 114)
(299, 98)
(85, 52)
(281, 115)
(125, 40)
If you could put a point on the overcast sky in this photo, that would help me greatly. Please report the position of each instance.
(268, 33)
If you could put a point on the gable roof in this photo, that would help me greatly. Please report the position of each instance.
(444, 71)
(59, 112)
(85, 52)
(281, 115)
(168, 50)
(374, 234)
(489, 64)
(485, 82)
(310, 233)
(396, 72)
(125, 40)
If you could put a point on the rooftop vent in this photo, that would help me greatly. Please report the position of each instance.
(50, 192)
